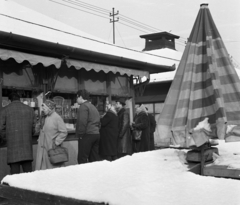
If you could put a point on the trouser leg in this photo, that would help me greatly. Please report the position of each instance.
(84, 148)
(26, 166)
(15, 168)
(94, 153)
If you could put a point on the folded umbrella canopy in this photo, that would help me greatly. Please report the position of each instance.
(206, 85)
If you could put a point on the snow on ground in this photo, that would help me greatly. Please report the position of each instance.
(156, 177)
(229, 154)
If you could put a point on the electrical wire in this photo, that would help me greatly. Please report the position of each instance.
(86, 7)
(122, 17)
(92, 6)
(121, 37)
(78, 9)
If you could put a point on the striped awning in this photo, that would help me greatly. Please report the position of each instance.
(206, 85)
(33, 59)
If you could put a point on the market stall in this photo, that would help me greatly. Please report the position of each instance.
(43, 58)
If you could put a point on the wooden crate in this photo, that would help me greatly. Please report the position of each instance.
(221, 171)
(195, 155)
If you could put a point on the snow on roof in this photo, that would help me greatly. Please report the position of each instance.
(174, 56)
(154, 177)
(20, 20)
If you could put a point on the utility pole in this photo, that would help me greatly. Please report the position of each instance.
(113, 21)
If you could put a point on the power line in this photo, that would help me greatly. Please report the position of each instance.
(141, 23)
(132, 27)
(107, 11)
(124, 18)
(135, 24)
(121, 37)
(78, 9)
(86, 7)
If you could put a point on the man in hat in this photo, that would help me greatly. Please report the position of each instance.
(124, 135)
(17, 123)
(87, 129)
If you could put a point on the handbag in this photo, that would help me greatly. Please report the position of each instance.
(58, 155)
(137, 134)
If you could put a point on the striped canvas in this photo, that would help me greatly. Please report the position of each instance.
(206, 85)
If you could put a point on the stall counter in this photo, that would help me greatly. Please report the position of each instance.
(70, 143)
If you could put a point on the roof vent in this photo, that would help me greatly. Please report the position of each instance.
(159, 40)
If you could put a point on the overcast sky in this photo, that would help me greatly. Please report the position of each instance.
(175, 16)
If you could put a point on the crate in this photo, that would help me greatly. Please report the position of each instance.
(195, 155)
(221, 171)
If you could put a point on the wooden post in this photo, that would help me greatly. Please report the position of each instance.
(109, 89)
(132, 93)
(80, 79)
(202, 158)
(1, 83)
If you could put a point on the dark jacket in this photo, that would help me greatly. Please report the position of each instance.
(17, 122)
(152, 123)
(124, 137)
(142, 123)
(88, 119)
(108, 134)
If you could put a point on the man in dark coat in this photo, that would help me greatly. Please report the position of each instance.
(124, 136)
(17, 124)
(87, 129)
(152, 124)
(109, 134)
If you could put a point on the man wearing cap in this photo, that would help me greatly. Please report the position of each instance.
(124, 135)
(17, 123)
(87, 129)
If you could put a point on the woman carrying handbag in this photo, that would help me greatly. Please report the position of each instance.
(140, 130)
(52, 134)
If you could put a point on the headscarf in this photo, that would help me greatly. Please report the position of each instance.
(141, 109)
(50, 104)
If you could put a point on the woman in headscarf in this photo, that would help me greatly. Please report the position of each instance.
(109, 134)
(141, 122)
(52, 134)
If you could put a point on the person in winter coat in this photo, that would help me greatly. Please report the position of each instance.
(52, 134)
(17, 123)
(109, 134)
(124, 135)
(141, 122)
(152, 124)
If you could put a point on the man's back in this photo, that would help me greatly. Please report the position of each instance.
(18, 121)
(88, 119)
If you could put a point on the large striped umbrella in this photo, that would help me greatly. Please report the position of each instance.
(206, 85)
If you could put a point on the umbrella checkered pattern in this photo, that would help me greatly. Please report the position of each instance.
(206, 85)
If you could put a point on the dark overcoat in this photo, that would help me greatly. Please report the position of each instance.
(152, 124)
(124, 138)
(142, 123)
(17, 120)
(108, 134)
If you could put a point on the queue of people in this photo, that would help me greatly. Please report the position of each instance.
(107, 137)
